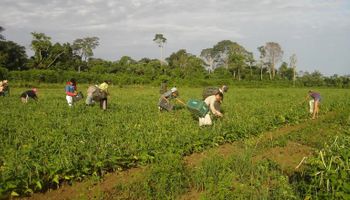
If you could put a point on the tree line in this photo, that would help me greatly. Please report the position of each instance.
(226, 60)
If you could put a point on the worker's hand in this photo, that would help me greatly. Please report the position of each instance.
(219, 114)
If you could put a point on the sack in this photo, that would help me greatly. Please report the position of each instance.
(311, 106)
(78, 97)
(209, 91)
(197, 107)
(205, 121)
(99, 94)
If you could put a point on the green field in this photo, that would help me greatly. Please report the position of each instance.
(46, 143)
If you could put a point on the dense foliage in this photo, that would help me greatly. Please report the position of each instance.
(225, 60)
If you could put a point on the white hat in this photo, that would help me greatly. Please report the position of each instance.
(174, 89)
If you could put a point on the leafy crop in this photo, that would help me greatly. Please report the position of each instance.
(46, 143)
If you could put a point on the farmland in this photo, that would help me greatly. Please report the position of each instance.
(46, 143)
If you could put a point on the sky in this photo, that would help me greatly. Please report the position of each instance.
(317, 31)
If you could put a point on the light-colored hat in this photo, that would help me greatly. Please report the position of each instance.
(174, 89)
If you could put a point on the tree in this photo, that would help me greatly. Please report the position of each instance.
(12, 55)
(272, 54)
(292, 64)
(283, 70)
(262, 63)
(1, 36)
(41, 45)
(83, 48)
(227, 54)
(160, 40)
(208, 58)
(185, 65)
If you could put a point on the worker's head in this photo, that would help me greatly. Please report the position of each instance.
(35, 90)
(107, 81)
(4, 82)
(73, 81)
(219, 97)
(174, 91)
(310, 91)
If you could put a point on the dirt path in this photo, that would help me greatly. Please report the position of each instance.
(288, 157)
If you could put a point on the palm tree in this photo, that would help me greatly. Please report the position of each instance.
(160, 40)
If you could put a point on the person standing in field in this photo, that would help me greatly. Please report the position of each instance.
(316, 97)
(104, 94)
(163, 87)
(211, 101)
(164, 100)
(71, 91)
(29, 94)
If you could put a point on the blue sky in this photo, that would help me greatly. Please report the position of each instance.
(317, 31)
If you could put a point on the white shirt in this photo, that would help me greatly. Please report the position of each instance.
(210, 101)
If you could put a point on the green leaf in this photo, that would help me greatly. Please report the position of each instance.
(56, 179)
(38, 185)
(14, 194)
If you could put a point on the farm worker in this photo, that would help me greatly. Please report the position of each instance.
(71, 91)
(210, 101)
(316, 97)
(104, 93)
(29, 94)
(164, 100)
(214, 90)
(163, 87)
(4, 88)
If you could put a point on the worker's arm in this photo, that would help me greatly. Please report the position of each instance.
(213, 109)
(180, 101)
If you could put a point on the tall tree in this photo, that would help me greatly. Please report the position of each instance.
(12, 55)
(185, 65)
(41, 45)
(272, 54)
(261, 62)
(283, 70)
(84, 48)
(223, 55)
(1, 36)
(293, 64)
(160, 40)
(208, 58)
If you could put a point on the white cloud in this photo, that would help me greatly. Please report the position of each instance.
(191, 24)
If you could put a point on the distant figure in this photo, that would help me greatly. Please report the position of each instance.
(29, 94)
(104, 94)
(163, 87)
(98, 93)
(314, 106)
(210, 101)
(71, 91)
(164, 100)
(4, 88)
